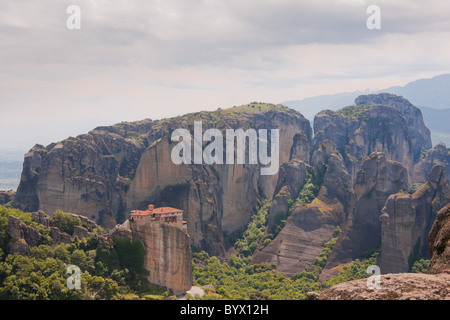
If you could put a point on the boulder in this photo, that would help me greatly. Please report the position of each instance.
(439, 243)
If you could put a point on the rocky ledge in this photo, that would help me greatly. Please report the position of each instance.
(393, 286)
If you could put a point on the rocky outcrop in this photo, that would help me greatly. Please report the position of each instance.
(399, 286)
(110, 171)
(377, 179)
(168, 255)
(439, 243)
(7, 196)
(23, 236)
(377, 123)
(440, 154)
(40, 217)
(419, 134)
(17, 243)
(310, 226)
(290, 181)
(407, 286)
(406, 221)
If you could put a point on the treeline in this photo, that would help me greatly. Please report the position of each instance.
(107, 271)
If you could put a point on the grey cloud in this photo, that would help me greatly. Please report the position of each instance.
(179, 32)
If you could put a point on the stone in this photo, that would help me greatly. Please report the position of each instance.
(111, 170)
(59, 237)
(7, 196)
(168, 255)
(439, 243)
(14, 228)
(399, 286)
(406, 222)
(376, 180)
(80, 232)
(310, 227)
(40, 217)
(18, 246)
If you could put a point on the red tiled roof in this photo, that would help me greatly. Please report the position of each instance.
(165, 210)
(162, 210)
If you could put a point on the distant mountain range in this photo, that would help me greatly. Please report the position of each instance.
(432, 96)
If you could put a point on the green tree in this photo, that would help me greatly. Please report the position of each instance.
(131, 253)
(65, 222)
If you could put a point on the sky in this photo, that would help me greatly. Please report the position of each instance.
(132, 60)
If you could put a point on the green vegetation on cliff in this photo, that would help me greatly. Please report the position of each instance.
(107, 272)
(261, 281)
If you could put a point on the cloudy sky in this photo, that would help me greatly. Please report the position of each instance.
(136, 59)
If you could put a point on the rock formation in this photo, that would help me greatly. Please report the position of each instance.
(377, 123)
(310, 226)
(6, 196)
(168, 256)
(23, 236)
(439, 243)
(399, 286)
(406, 221)
(376, 180)
(407, 286)
(440, 154)
(364, 153)
(112, 170)
(419, 134)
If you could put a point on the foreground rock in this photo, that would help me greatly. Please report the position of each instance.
(399, 286)
(439, 242)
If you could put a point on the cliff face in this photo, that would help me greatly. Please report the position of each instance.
(419, 134)
(376, 180)
(365, 153)
(440, 154)
(377, 123)
(406, 221)
(407, 286)
(439, 243)
(168, 255)
(112, 170)
(310, 226)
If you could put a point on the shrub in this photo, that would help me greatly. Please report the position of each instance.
(65, 222)
(131, 253)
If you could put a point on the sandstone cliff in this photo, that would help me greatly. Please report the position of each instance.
(407, 286)
(22, 236)
(168, 255)
(311, 225)
(112, 170)
(376, 180)
(406, 221)
(440, 154)
(377, 123)
(439, 243)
